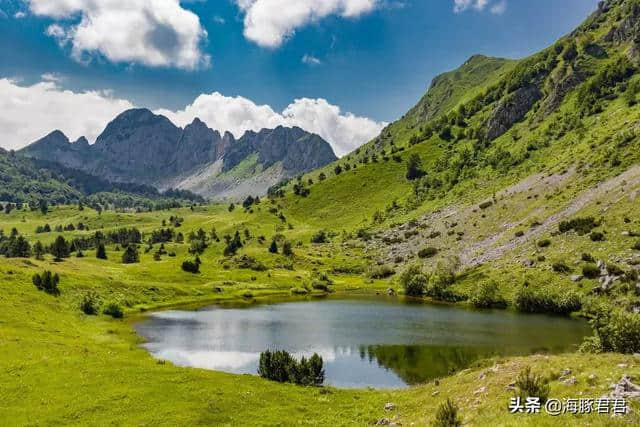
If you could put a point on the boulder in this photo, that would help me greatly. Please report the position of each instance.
(389, 406)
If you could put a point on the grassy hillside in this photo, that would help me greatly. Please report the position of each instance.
(525, 174)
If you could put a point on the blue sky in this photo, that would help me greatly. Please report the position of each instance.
(372, 58)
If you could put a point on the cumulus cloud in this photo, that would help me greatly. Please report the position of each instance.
(30, 112)
(270, 22)
(344, 131)
(149, 32)
(499, 8)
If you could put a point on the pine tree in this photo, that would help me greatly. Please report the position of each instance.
(130, 255)
(274, 247)
(101, 252)
(60, 249)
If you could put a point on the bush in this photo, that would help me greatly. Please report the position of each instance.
(519, 233)
(414, 281)
(90, 304)
(581, 226)
(130, 255)
(299, 291)
(529, 301)
(588, 258)
(590, 271)
(636, 247)
(381, 272)
(486, 205)
(532, 385)
(47, 282)
(561, 267)
(596, 236)
(486, 295)
(320, 237)
(545, 243)
(191, 266)
(614, 331)
(287, 249)
(114, 310)
(447, 415)
(614, 270)
(428, 252)
(280, 366)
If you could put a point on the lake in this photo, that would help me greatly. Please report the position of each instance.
(371, 342)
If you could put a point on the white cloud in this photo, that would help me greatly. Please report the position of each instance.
(270, 22)
(51, 77)
(499, 8)
(19, 15)
(311, 60)
(149, 32)
(479, 5)
(30, 112)
(219, 20)
(344, 131)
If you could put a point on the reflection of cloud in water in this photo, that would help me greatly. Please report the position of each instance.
(232, 361)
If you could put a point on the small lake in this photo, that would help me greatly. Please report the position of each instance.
(373, 342)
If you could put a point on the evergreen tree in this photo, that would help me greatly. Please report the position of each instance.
(44, 207)
(130, 255)
(101, 252)
(287, 249)
(414, 167)
(274, 247)
(38, 250)
(60, 249)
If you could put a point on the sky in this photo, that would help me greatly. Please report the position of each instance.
(340, 68)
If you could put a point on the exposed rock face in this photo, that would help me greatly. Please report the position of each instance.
(511, 110)
(141, 147)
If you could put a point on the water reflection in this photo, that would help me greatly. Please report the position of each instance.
(364, 342)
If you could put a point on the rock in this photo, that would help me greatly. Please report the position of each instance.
(606, 282)
(383, 422)
(512, 109)
(600, 264)
(389, 406)
(436, 383)
(576, 278)
(391, 292)
(625, 233)
(623, 365)
(571, 381)
(435, 393)
(625, 388)
(565, 373)
(529, 263)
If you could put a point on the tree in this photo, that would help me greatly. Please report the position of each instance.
(274, 247)
(233, 244)
(287, 249)
(338, 169)
(60, 249)
(130, 255)
(47, 282)
(414, 167)
(38, 250)
(191, 266)
(44, 207)
(101, 252)
(322, 176)
(231, 207)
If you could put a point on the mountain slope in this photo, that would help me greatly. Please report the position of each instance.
(141, 147)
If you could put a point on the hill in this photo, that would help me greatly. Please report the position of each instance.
(144, 148)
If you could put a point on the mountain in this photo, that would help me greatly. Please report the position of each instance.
(141, 147)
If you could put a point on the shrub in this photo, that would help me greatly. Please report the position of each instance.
(486, 205)
(320, 237)
(560, 267)
(287, 249)
(581, 226)
(532, 385)
(545, 243)
(90, 304)
(616, 331)
(519, 233)
(588, 258)
(486, 295)
(414, 281)
(428, 252)
(447, 415)
(596, 236)
(636, 247)
(130, 255)
(614, 269)
(590, 271)
(114, 310)
(529, 301)
(280, 366)
(47, 282)
(191, 266)
(299, 291)
(381, 272)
